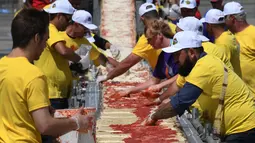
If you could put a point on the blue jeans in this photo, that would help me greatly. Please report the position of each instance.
(244, 137)
(60, 103)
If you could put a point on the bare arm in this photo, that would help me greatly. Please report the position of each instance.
(124, 65)
(164, 112)
(140, 87)
(47, 125)
(112, 61)
(163, 84)
(67, 53)
(167, 82)
(171, 91)
(145, 85)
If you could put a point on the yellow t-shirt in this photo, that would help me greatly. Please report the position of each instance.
(210, 49)
(213, 49)
(55, 67)
(144, 50)
(239, 110)
(78, 42)
(232, 49)
(17, 12)
(246, 39)
(23, 89)
(172, 27)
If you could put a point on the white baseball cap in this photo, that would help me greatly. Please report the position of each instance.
(149, 1)
(191, 23)
(84, 18)
(184, 40)
(233, 8)
(60, 6)
(175, 11)
(214, 16)
(146, 7)
(190, 4)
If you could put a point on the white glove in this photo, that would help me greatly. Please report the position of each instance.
(101, 78)
(85, 61)
(115, 52)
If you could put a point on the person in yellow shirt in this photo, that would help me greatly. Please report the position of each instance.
(75, 37)
(188, 8)
(142, 50)
(238, 120)
(97, 40)
(75, 3)
(215, 26)
(24, 103)
(54, 60)
(191, 24)
(165, 68)
(236, 22)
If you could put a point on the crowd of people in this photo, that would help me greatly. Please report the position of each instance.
(36, 75)
(198, 61)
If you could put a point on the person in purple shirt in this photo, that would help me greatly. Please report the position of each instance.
(165, 68)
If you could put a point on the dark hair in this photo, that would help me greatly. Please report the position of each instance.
(199, 50)
(28, 4)
(27, 24)
(52, 16)
(151, 15)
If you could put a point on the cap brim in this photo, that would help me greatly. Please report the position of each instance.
(203, 38)
(172, 49)
(46, 9)
(53, 11)
(202, 20)
(90, 26)
(232, 13)
(187, 6)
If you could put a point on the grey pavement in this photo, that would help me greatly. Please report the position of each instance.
(5, 36)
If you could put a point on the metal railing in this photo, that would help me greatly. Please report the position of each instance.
(195, 131)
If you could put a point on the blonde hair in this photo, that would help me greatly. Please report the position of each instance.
(158, 27)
